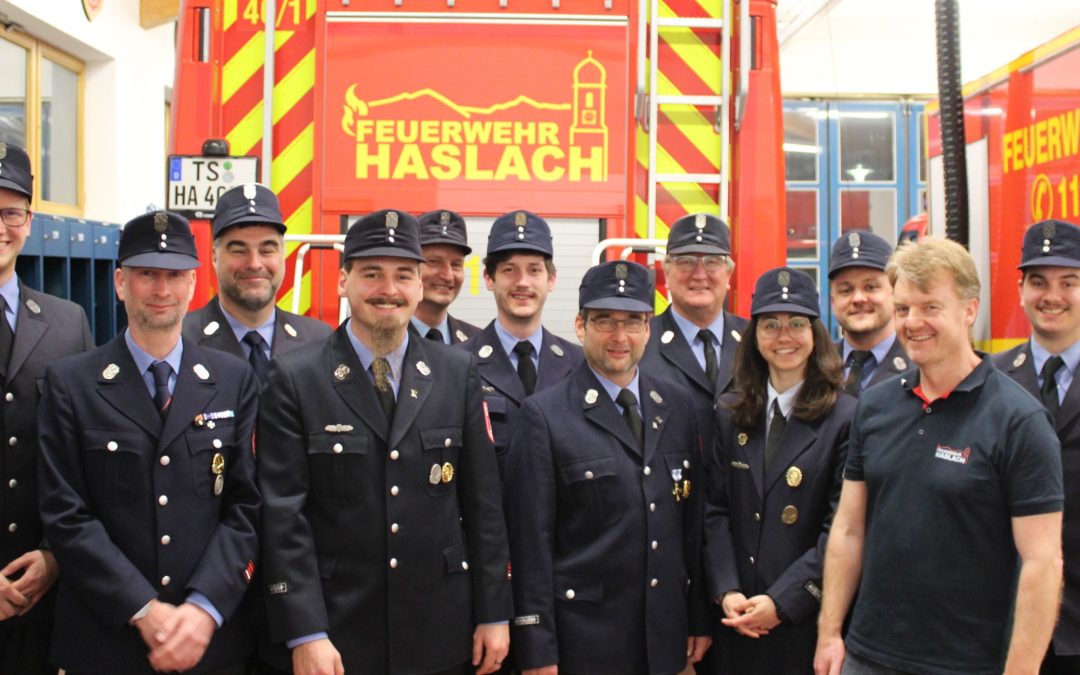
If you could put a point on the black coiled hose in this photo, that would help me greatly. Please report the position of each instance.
(954, 155)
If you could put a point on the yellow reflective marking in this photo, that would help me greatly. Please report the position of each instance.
(695, 126)
(292, 160)
(305, 295)
(229, 14)
(690, 49)
(291, 88)
(247, 61)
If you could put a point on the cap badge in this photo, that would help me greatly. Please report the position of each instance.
(33, 307)
(392, 219)
(699, 221)
(899, 363)
(784, 278)
(290, 330)
(520, 218)
(201, 371)
(854, 239)
(485, 351)
(1019, 360)
(111, 371)
(667, 337)
(557, 350)
(1049, 229)
(249, 191)
(656, 397)
(423, 368)
(444, 220)
(621, 272)
(161, 222)
(591, 396)
(211, 328)
(793, 476)
(341, 372)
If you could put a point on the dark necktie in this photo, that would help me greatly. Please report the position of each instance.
(628, 401)
(1049, 386)
(380, 369)
(161, 371)
(434, 334)
(526, 368)
(776, 433)
(7, 338)
(857, 360)
(257, 357)
(712, 369)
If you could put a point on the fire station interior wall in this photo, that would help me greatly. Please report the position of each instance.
(978, 167)
(574, 240)
(129, 72)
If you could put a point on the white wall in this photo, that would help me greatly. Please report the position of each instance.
(887, 46)
(128, 71)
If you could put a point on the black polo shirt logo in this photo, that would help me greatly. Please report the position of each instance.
(952, 455)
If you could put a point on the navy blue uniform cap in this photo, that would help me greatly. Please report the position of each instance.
(159, 239)
(387, 233)
(15, 170)
(520, 231)
(699, 233)
(444, 227)
(619, 285)
(785, 290)
(249, 204)
(859, 249)
(1051, 243)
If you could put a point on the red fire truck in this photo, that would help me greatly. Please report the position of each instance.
(1022, 129)
(618, 116)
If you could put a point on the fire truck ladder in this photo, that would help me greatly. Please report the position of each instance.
(654, 101)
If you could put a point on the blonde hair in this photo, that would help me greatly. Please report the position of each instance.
(920, 261)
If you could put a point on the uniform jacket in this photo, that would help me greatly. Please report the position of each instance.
(748, 545)
(209, 328)
(503, 391)
(606, 559)
(115, 479)
(48, 329)
(1019, 364)
(460, 331)
(896, 362)
(674, 360)
(388, 537)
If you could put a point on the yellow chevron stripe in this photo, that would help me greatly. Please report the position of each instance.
(311, 7)
(690, 196)
(305, 295)
(247, 133)
(712, 8)
(299, 222)
(291, 88)
(690, 49)
(229, 14)
(695, 126)
(660, 303)
(292, 160)
(247, 61)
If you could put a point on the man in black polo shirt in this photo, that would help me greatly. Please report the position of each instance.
(1046, 366)
(952, 499)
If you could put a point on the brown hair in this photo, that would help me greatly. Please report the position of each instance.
(492, 261)
(919, 261)
(820, 390)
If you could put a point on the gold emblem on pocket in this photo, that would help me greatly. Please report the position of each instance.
(447, 472)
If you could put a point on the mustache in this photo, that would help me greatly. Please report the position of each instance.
(384, 300)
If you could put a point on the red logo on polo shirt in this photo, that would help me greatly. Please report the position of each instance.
(952, 455)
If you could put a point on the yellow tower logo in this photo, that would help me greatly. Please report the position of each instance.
(589, 126)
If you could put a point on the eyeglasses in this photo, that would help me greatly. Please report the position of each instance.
(796, 327)
(14, 217)
(634, 324)
(687, 262)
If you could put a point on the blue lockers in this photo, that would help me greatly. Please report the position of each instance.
(75, 259)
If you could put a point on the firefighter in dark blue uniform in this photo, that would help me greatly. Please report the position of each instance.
(605, 466)
(516, 355)
(444, 241)
(774, 480)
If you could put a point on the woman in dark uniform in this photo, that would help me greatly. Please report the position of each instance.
(774, 480)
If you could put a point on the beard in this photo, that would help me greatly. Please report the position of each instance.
(252, 300)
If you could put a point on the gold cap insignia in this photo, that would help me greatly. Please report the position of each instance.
(784, 278)
(520, 219)
(161, 222)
